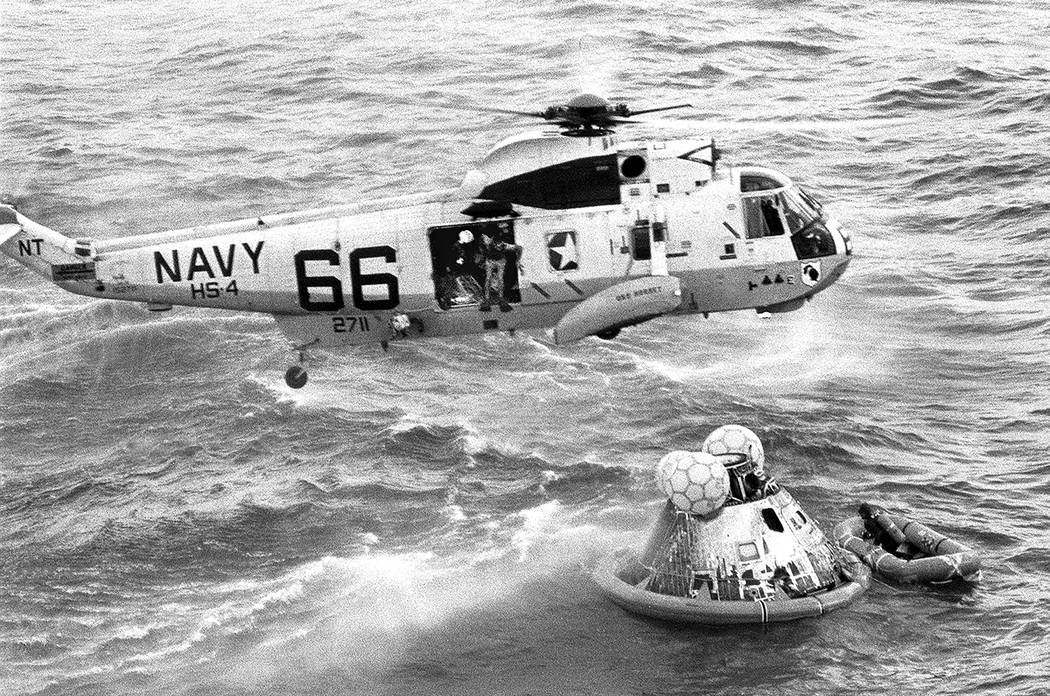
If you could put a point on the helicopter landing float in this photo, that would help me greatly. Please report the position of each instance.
(590, 234)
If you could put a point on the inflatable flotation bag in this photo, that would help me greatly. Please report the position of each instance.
(905, 551)
(624, 580)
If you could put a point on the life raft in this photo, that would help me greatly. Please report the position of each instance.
(622, 578)
(919, 554)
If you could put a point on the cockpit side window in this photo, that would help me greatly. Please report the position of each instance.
(762, 216)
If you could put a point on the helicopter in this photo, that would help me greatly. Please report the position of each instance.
(567, 228)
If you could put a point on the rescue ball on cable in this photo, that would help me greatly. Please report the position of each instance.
(694, 482)
(736, 439)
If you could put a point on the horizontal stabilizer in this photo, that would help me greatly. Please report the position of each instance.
(624, 304)
(8, 231)
(9, 225)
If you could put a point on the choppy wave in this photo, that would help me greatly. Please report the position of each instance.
(177, 521)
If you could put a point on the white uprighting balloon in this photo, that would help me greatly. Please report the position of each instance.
(739, 440)
(695, 482)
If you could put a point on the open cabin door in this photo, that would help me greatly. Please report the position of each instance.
(459, 256)
(641, 245)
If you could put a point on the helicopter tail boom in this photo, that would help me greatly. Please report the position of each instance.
(41, 249)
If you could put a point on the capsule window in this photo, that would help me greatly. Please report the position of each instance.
(772, 520)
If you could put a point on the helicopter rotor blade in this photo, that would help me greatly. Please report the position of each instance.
(458, 105)
(635, 112)
(769, 125)
(494, 110)
(573, 116)
(452, 128)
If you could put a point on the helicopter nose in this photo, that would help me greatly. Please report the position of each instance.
(843, 250)
(843, 240)
(841, 263)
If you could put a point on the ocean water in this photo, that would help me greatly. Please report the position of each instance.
(175, 520)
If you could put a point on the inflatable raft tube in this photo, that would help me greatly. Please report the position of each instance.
(946, 559)
(621, 577)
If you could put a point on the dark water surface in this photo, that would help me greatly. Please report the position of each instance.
(176, 521)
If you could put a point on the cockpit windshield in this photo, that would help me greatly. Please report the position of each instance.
(799, 209)
(810, 200)
(788, 209)
(805, 218)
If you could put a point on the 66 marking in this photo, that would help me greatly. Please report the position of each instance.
(325, 293)
(350, 324)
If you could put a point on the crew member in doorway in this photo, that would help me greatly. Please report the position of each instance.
(513, 255)
(495, 248)
(458, 285)
(463, 250)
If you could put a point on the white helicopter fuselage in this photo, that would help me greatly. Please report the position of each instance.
(591, 219)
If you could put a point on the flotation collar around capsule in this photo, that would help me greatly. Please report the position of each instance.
(623, 578)
(925, 556)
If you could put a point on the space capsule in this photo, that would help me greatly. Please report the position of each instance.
(730, 545)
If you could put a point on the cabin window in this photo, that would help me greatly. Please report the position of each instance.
(640, 249)
(633, 166)
(758, 182)
(562, 252)
(762, 217)
(772, 520)
(663, 188)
